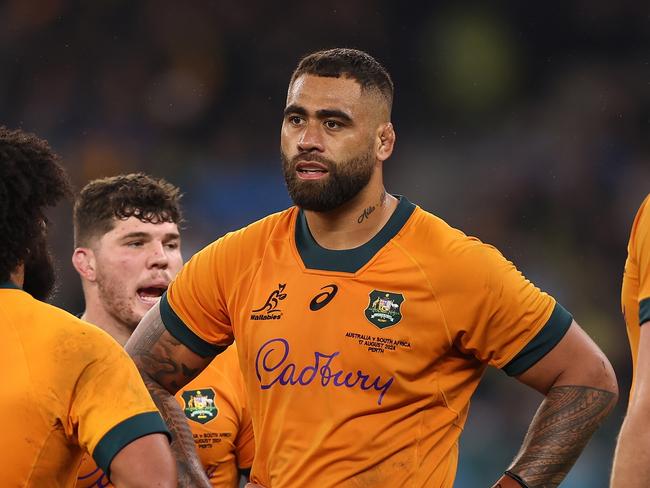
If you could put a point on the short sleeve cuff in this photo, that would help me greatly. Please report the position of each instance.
(546, 339)
(644, 311)
(181, 332)
(124, 433)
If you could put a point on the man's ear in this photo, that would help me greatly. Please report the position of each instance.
(386, 142)
(83, 260)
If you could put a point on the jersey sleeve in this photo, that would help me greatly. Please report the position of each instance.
(194, 308)
(641, 252)
(110, 405)
(499, 316)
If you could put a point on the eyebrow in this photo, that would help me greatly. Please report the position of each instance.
(146, 235)
(325, 113)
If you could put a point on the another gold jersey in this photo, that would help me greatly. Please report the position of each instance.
(68, 388)
(635, 294)
(216, 407)
(360, 363)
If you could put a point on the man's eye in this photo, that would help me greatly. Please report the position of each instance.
(295, 120)
(172, 245)
(135, 244)
(332, 124)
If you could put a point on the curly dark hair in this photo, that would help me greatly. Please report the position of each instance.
(104, 200)
(351, 63)
(31, 179)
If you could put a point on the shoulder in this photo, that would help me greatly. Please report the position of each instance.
(640, 228)
(44, 320)
(643, 214)
(276, 226)
(434, 239)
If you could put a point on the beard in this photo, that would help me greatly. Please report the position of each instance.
(343, 182)
(113, 296)
(40, 275)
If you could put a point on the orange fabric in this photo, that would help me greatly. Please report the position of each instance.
(338, 397)
(59, 399)
(636, 277)
(224, 441)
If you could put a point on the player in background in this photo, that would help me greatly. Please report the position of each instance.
(63, 380)
(632, 458)
(363, 322)
(127, 249)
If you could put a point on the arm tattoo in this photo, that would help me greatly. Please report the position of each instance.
(559, 432)
(151, 348)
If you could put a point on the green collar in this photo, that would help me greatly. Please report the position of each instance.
(348, 260)
(9, 284)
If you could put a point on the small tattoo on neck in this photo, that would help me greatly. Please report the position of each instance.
(382, 198)
(366, 213)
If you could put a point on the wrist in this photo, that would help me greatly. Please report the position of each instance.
(510, 480)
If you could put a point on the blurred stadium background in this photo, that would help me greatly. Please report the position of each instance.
(523, 124)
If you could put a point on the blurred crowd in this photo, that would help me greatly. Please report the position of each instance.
(526, 126)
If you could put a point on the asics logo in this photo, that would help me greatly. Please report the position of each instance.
(322, 299)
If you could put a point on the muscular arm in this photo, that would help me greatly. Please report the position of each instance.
(166, 366)
(632, 458)
(580, 388)
(146, 462)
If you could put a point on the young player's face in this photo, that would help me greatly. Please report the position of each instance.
(135, 262)
(327, 141)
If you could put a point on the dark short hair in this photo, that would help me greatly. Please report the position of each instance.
(351, 63)
(31, 179)
(103, 201)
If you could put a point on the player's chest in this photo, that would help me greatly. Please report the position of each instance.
(382, 318)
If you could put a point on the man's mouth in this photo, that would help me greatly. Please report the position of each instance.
(151, 294)
(310, 170)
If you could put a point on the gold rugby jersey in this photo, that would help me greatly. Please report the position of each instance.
(635, 293)
(68, 388)
(360, 363)
(216, 407)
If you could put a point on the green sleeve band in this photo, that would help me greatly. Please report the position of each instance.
(181, 332)
(545, 340)
(124, 433)
(644, 311)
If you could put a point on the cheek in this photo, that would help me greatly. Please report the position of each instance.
(175, 264)
(287, 137)
(119, 270)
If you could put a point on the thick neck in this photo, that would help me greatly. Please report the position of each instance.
(356, 222)
(17, 277)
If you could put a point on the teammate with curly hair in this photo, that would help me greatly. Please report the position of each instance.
(58, 397)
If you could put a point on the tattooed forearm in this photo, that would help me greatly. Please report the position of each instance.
(190, 470)
(559, 432)
(157, 353)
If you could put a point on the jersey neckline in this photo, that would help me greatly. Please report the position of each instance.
(316, 257)
(9, 284)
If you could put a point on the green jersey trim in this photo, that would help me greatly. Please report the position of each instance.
(10, 284)
(644, 311)
(181, 332)
(546, 339)
(124, 433)
(316, 257)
